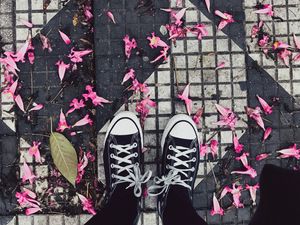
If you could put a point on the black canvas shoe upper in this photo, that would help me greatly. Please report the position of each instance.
(180, 159)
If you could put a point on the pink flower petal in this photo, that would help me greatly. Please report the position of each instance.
(296, 41)
(129, 75)
(198, 115)
(250, 171)
(62, 124)
(65, 37)
(207, 3)
(185, 97)
(220, 65)
(31, 211)
(163, 54)
(62, 67)
(214, 146)
(111, 16)
(252, 190)
(203, 150)
(20, 104)
(20, 55)
(87, 204)
(36, 107)
(216, 207)
(84, 121)
(261, 157)
(129, 45)
(267, 133)
(27, 174)
(26, 23)
(237, 146)
(267, 109)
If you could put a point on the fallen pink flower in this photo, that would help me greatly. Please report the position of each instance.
(284, 55)
(87, 204)
(26, 23)
(176, 32)
(129, 75)
(266, 9)
(220, 65)
(36, 107)
(214, 146)
(129, 45)
(252, 190)
(27, 174)
(62, 124)
(216, 207)
(20, 55)
(296, 41)
(90, 156)
(236, 194)
(80, 168)
(267, 109)
(243, 158)
(75, 104)
(256, 115)
(76, 56)
(31, 57)
(138, 87)
(19, 102)
(178, 16)
(207, 3)
(46, 43)
(263, 42)
(261, 156)
(62, 67)
(111, 16)
(203, 150)
(238, 148)
(256, 28)
(267, 133)
(84, 121)
(250, 171)
(156, 41)
(12, 88)
(290, 152)
(198, 115)
(87, 13)
(227, 118)
(280, 45)
(296, 58)
(96, 100)
(26, 199)
(200, 30)
(65, 38)
(9, 63)
(185, 97)
(35, 151)
(33, 210)
(226, 19)
(143, 107)
(224, 192)
(163, 54)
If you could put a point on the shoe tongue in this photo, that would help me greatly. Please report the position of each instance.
(123, 139)
(182, 142)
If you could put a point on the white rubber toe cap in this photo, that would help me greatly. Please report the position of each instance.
(183, 130)
(124, 126)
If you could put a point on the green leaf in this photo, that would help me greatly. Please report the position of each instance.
(64, 156)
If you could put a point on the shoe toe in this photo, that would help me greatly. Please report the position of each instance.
(183, 130)
(124, 126)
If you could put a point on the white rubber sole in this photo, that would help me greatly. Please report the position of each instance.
(175, 119)
(126, 114)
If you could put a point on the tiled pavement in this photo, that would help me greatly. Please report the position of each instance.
(194, 61)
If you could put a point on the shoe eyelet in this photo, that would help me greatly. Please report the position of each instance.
(194, 159)
(112, 166)
(111, 145)
(112, 176)
(136, 154)
(191, 179)
(112, 156)
(167, 166)
(170, 147)
(137, 164)
(193, 169)
(134, 145)
(194, 149)
(168, 156)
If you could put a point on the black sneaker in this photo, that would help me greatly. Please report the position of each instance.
(180, 160)
(122, 158)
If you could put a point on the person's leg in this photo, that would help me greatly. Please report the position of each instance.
(180, 145)
(279, 197)
(122, 157)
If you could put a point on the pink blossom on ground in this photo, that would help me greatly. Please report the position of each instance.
(62, 67)
(65, 38)
(200, 30)
(261, 156)
(75, 104)
(203, 150)
(129, 45)
(20, 55)
(267, 133)
(35, 151)
(236, 194)
(296, 41)
(129, 75)
(238, 148)
(216, 207)
(177, 17)
(256, 28)
(290, 152)
(176, 32)
(185, 97)
(62, 124)
(111, 16)
(296, 58)
(88, 13)
(138, 87)
(226, 19)
(253, 190)
(76, 56)
(12, 88)
(207, 3)
(9, 63)
(284, 55)
(27, 173)
(81, 168)
(143, 107)
(163, 55)
(19, 102)
(30, 211)
(255, 114)
(214, 146)
(250, 171)
(243, 158)
(96, 100)
(266, 107)
(156, 41)
(26, 23)
(26, 199)
(84, 121)
(198, 115)
(263, 42)
(87, 204)
(280, 45)
(227, 118)
(266, 9)
(46, 43)
(224, 192)
(220, 65)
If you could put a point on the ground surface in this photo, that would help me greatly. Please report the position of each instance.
(247, 73)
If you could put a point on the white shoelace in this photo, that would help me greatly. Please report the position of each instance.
(134, 177)
(173, 177)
